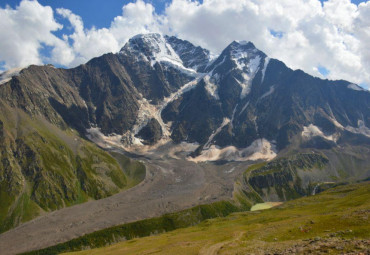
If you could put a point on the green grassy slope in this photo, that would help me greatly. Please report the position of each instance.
(279, 179)
(301, 173)
(335, 221)
(44, 168)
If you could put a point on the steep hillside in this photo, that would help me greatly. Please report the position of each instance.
(44, 168)
(300, 174)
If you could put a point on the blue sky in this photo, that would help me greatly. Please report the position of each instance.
(330, 42)
(96, 13)
(100, 13)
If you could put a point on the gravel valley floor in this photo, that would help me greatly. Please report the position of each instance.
(170, 185)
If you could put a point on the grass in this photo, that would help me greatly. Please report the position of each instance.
(280, 177)
(341, 212)
(134, 170)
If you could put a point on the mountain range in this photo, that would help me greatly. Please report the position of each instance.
(160, 95)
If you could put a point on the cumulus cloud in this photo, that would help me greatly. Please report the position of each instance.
(23, 32)
(87, 43)
(334, 35)
(138, 17)
(30, 26)
(305, 34)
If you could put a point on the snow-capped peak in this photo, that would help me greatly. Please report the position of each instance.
(245, 56)
(192, 56)
(244, 60)
(249, 44)
(154, 48)
(248, 59)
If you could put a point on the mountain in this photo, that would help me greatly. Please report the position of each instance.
(163, 98)
(254, 98)
(247, 99)
(46, 165)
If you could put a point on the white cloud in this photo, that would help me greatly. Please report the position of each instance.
(30, 26)
(87, 43)
(23, 31)
(138, 17)
(334, 35)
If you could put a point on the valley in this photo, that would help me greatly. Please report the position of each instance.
(170, 185)
(332, 222)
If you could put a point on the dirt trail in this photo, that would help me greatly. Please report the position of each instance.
(170, 185)
(215, 248)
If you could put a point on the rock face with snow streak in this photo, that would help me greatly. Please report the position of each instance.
(161, 89)
(192, 57)
(262, 98)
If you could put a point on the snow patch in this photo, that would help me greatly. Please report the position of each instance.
(317, 185)
(259, 149)
(361, 129)
(159, 51)
(181, 68)
(244, 107)
(271, 90)
(336, 123)
(254, 64)
(246, 59)
(161, 149)
(9, 74)
(265, 64)
(146, 112)
(355, 87)
(311, 131)
(249, 64)
(239, 57)
(224, 123)
(245, 85)
(211, 87)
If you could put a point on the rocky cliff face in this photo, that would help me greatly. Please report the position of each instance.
(192, 57)
(258, 97)
(233, 102)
